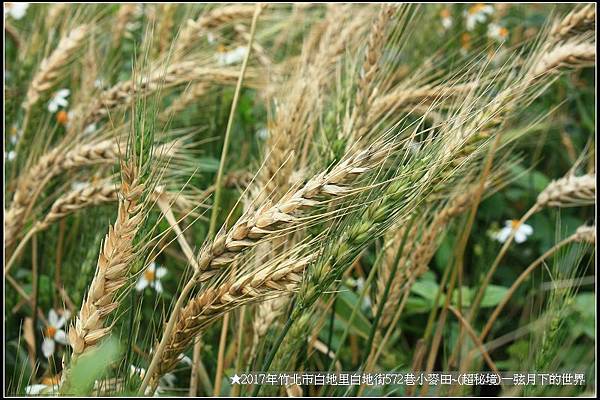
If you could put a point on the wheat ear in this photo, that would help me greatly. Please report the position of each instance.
(112, 268)
(124, 92)
(213, 19)
(580, 19)
(356, 125)
(269, 220)
(52, 164)
(214, 302)
(569, 191)
(51, 66)
(570, 54)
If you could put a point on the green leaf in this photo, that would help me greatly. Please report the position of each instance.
(493, 295)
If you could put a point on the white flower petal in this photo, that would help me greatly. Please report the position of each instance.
(63, 319)
(52, 318)
(161, 271)
(142, 283)
(61, 102)
(52, 106)
(520, 237)
(35, 389)
(62, 93)
(526, 229)
(185, 359)
(17, 10)
(61, 337)
(158, 286)
(169, 379)
(152, 267)
(503, 234)
(48, 347)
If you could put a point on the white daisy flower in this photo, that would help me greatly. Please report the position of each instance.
(133, 370)
(16, 10)
(477, 13)
(231, 57)
(497, 32)
(446, 18)
(11, 155)
(151, 276)
(521, 231)
(15, 134)
(91, 128)
(59, 99)
(53, 332)
(40, 388)
(262, 133)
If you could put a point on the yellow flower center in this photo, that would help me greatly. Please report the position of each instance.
(465, 40)
(445, 13)
(149, 275)
(503, 32)
(514, 223)
(62, 117)
(476, 8)
(50, 331)
(51, 380)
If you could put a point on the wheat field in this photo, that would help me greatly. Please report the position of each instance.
(252, 199)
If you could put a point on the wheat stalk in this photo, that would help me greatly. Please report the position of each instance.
(50, 67)
(569, 191)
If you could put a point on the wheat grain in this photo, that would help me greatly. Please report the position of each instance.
(586, 234)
